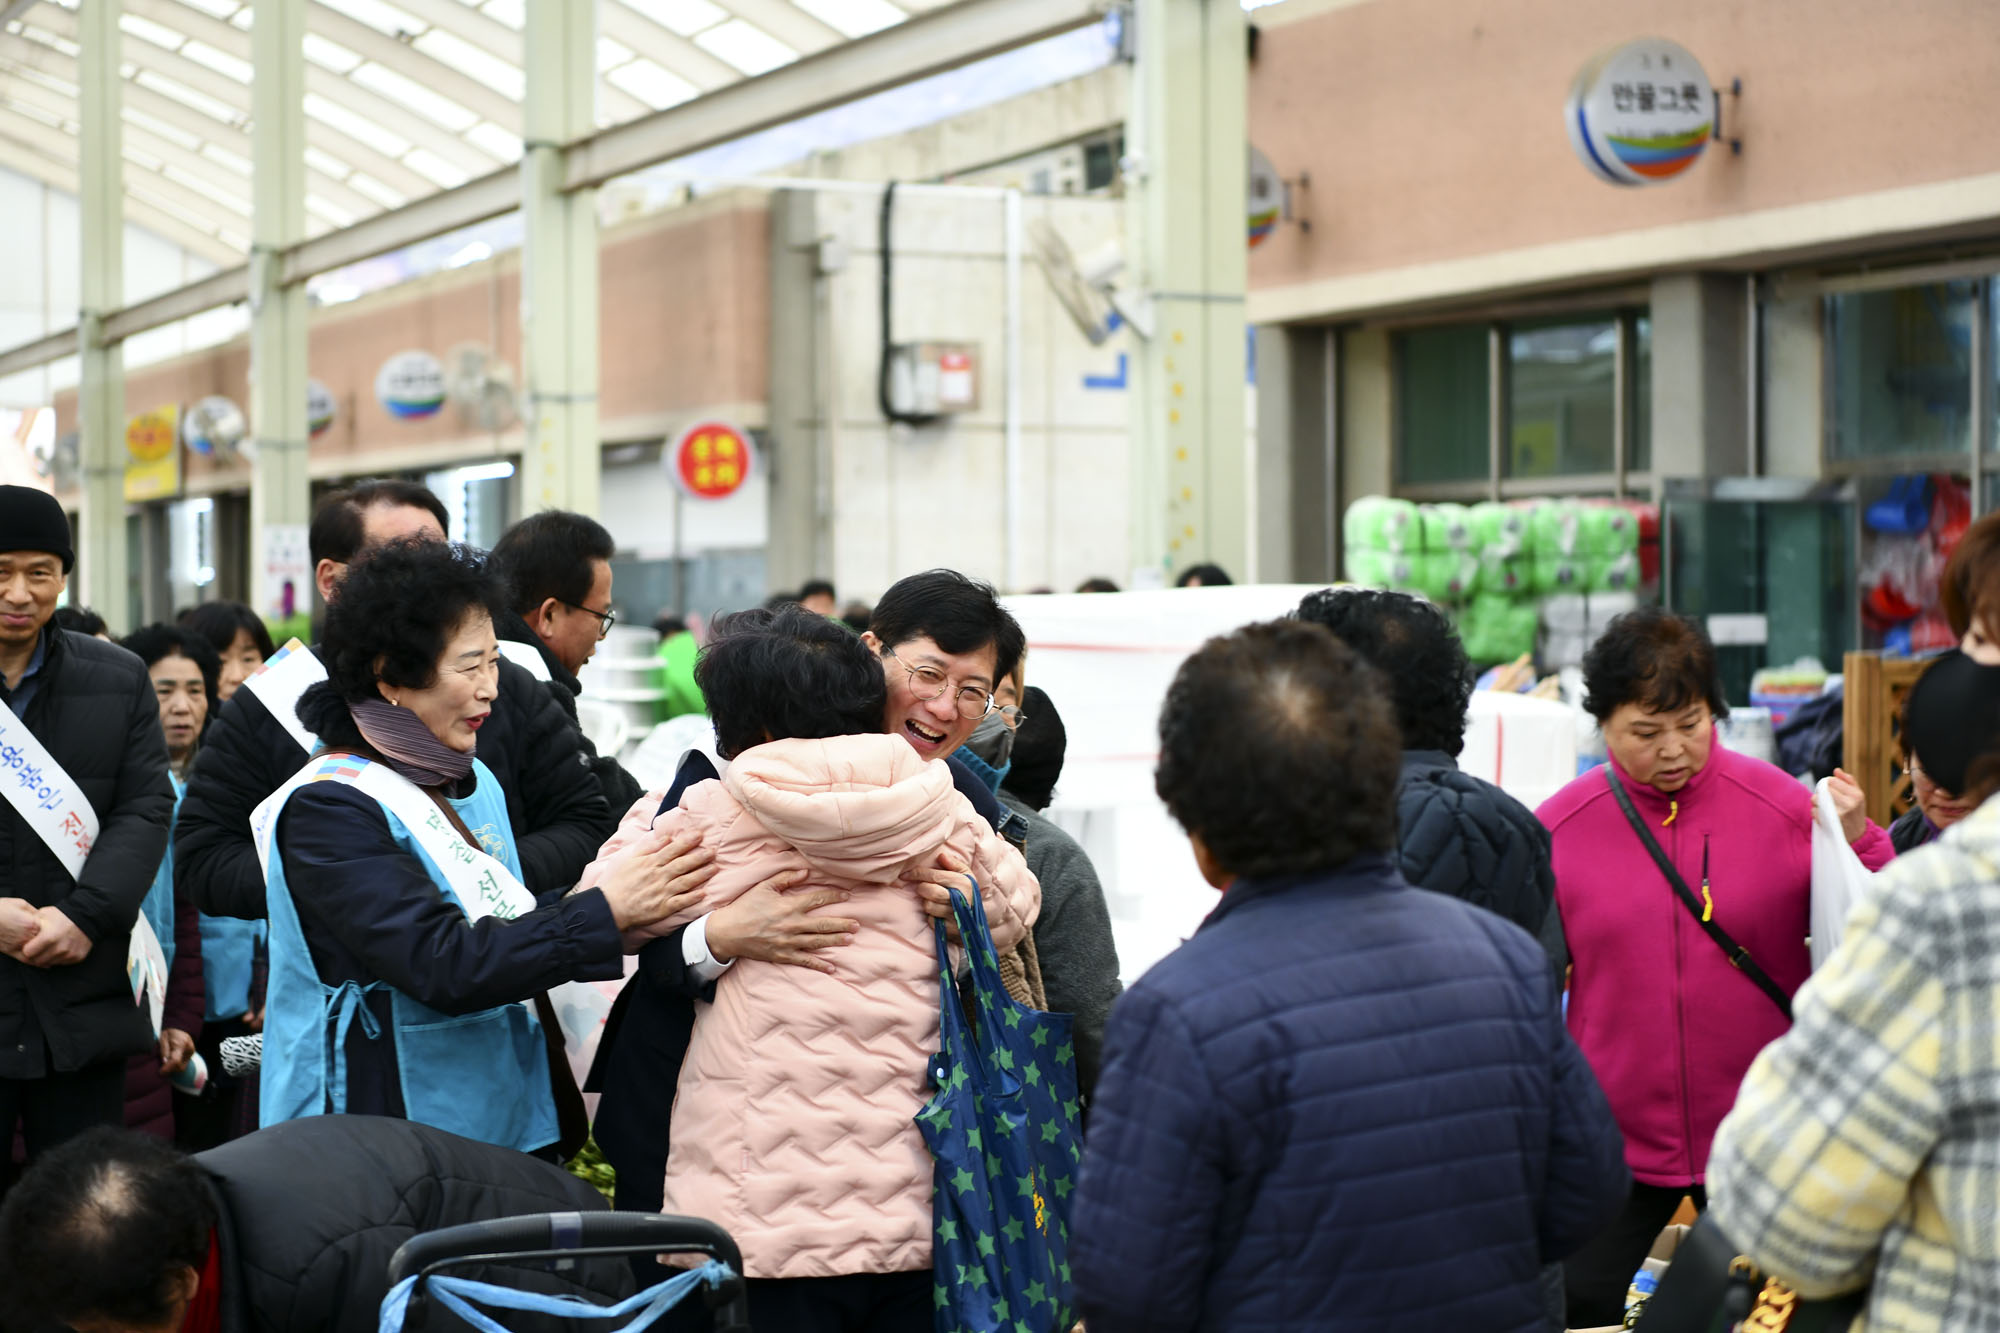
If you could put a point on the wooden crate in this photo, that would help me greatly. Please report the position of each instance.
(1871, 722)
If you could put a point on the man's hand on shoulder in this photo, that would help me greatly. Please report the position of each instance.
(773, 926)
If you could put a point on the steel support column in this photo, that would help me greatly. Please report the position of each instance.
(101, 565)
(280, 493)
(1185, 224)
(561, 462)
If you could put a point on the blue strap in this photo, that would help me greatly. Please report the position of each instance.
(975, 1053)
(456, 1293)
(343, 1004)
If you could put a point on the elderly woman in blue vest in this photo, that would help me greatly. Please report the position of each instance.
(186, 674)
(183, 671)
(407, 960)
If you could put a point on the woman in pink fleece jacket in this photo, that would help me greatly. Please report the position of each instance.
(792, 1127)
(1668, 1024)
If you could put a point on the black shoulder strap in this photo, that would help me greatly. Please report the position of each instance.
(1738, 956)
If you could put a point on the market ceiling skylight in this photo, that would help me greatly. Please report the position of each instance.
(402, 99)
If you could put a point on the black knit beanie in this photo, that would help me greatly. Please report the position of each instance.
(31, 520)
(1038, 750)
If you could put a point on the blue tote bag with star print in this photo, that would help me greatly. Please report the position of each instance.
(1002, 1130)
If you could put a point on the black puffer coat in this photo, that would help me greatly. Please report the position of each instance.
(93, 710)
(620, 788)
(553, 801)
(1463, 836)
(312, 1210)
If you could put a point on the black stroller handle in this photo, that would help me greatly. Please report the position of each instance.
(577, 1235)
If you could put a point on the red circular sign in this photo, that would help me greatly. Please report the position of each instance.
(711, 460)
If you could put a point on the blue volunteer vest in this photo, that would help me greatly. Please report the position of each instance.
(482, 1075)
(158, 904)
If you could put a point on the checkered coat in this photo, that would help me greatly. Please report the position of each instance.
(1866, 1141)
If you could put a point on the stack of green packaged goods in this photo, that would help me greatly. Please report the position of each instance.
(1491, 564)
(681, 695)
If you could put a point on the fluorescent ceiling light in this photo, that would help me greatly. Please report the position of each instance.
(364, 184)
(513, 13)
(329, 54)
(686, 17)
(429, 165)
(234, 161)
(612, 54)
(354, 126)
(751, 50)
(220, 61)
(657, 87)
(452, 50)
(854, 18)
(408, 92)
(159, 34)
(326, 163)
(494, 141)
(382, 17)
(188, 97)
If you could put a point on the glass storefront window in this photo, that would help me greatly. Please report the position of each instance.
(1562, 397)
(1442, 401)
(1901, 368)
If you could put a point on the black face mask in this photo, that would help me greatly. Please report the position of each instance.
(1952, 718)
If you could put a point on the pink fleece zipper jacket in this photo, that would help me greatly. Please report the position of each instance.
(1668, 1025)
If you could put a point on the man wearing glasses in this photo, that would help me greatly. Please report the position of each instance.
(558, 571)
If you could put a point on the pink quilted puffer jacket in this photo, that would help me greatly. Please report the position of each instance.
(792, 1127)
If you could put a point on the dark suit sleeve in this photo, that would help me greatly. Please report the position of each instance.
(564, 815)
(354, 886)
(132, 835)
(245, 757)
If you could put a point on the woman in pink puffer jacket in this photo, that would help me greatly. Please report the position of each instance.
(792, 1127)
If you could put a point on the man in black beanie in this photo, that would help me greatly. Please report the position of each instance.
(84, 805)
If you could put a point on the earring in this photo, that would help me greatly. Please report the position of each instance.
(395, 703)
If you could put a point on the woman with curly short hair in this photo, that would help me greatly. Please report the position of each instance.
(1669, 1016)
(405, 953)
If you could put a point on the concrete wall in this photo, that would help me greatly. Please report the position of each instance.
(683, 333)
(1432, 132)
(890, 499)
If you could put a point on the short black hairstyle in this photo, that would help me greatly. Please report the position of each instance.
(815, 588)
(1278, 748)
(220, 622)
(787, 673)
(856, 615)
(549, 555)
(1417, 650)
(667, 624)
(1655, 659)
(1040, 744)
(100, 1225)
(336, 533)
(1211, 576)
(81, 620)
(959, 614)
(399, 604)
(1097, 583)
(150, 643)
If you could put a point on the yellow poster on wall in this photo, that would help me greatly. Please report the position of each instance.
(153, 454)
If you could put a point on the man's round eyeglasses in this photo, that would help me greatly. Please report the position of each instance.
(605, 619)
(927, 683)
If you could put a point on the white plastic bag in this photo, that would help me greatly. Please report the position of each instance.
(1838, 877)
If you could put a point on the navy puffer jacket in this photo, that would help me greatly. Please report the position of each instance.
(1463, 836)
(1344, 1104)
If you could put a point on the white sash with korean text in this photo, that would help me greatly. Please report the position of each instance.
(291, 671)
(483, 884)
(527, 657)
(47, 799)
